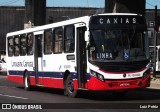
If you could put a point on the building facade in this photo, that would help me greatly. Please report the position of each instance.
(150, 18)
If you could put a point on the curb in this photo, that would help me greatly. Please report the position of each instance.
(155, 86)
(155, 83)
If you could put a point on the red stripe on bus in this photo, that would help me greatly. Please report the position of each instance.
(53, 83)
(18, 79)
(47, 82)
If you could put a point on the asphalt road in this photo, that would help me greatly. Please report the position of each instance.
(47, 98)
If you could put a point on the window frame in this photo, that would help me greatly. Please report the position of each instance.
(16, 45)
(12, 46)
(54, 40)
(71, 39)
(23, 45)
(27, 44)
(52, 49)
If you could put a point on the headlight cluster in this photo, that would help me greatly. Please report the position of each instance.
(146, 73)
(97, 75)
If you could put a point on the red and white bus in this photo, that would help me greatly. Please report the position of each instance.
(100, 52)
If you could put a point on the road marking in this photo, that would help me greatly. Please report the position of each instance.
(14, 97)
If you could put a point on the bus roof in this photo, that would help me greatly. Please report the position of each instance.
(43, 27)
(116, 14)
(84, 19)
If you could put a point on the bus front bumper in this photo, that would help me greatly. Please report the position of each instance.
(95, 84)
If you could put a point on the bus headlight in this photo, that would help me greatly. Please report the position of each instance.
(97, 75)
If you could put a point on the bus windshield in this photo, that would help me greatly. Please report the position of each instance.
(116, 45)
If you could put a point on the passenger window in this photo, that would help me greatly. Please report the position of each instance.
(23, 49)
(48, 41)
(58, 35)
(30, 44)
(69, 44)
(10, 46)
(16, 46)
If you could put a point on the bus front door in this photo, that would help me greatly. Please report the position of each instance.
(38, 59)
(81, 57)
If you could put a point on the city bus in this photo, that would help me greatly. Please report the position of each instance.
(101, 52)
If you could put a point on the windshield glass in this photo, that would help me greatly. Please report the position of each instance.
(116, 45)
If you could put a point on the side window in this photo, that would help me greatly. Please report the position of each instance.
(10, 46)
(23, 49)
(30, 44)
(69, 39)
(16, 46)
(48, 41)
(58, 35)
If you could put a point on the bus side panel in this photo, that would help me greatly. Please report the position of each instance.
(53, 83)
(32, 81)
(58, 81)
(18, 79)
(48, 82)
(48, 79)
(75, 83)
(54, 68)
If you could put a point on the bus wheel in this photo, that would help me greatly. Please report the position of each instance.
(69, 87)
(27, 85)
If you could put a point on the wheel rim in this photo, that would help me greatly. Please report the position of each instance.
(26, 82)
(70, 85)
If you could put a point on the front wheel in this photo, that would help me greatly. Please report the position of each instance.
(27, 85)
(69, 87)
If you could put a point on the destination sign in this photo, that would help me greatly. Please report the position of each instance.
(115, 20)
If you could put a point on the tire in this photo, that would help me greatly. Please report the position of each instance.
(69, 87)
(27, 84)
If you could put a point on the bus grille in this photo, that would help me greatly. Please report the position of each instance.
(124, 67)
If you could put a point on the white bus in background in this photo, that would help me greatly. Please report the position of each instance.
(155, 64)
(100, 52)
